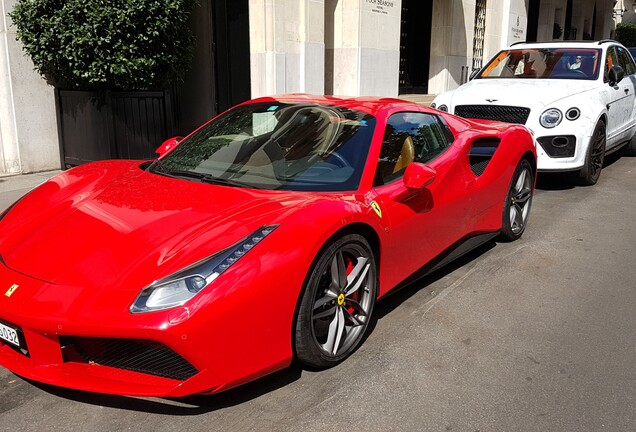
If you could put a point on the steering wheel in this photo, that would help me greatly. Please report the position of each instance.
(571, 72)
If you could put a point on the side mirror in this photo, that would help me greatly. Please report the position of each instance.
(168, 145)
(616, 74)
(418, 175)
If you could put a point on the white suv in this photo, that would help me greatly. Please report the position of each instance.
(576, 97)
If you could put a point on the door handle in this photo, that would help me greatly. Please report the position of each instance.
(626, 91)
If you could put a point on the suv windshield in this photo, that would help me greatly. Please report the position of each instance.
(282, 146)
(537, 63)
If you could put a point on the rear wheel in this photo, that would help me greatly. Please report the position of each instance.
(337, 302)
(594, 157)
(518, 202)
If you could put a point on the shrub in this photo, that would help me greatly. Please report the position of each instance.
(105, 44)
(626, 34)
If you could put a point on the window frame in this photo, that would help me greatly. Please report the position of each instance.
(446, 135)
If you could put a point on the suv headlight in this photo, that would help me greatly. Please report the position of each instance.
(550, 118)
(180, 287)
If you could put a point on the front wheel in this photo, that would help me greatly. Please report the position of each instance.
(337, 302)
(594, 157)
(518, 202)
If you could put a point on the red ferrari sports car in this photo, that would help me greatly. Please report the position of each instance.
(265, 236)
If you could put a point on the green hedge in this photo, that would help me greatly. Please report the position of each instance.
(626, 34)
(107, 44)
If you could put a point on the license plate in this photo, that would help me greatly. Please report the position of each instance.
(9, 334)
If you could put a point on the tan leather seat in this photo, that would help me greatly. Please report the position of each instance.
(407, 155)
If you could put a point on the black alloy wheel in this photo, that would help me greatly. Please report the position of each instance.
(594, 157)
(518, 202)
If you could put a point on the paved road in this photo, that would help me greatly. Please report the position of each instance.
(536, 335)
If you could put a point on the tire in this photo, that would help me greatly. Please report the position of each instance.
(518, 203)
(337, 302)
(594, 157)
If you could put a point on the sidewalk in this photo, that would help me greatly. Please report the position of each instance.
(13, 187)
(424, 99)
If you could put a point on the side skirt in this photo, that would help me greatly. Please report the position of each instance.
(457, 250)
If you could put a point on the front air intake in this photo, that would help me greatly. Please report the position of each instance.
(136, 355)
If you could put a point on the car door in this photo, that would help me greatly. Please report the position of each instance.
(621, 99)
(423, 223)
(629, 88)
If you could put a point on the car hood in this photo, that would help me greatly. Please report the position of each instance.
(111, 223)
(530, 93)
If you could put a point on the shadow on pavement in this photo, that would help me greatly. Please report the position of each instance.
(186, 406)
(558, 181)
(394, 299)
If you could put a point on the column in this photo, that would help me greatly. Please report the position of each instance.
(451, 43)
(363, 50)
(287, 46)
(9, 158)
(28, 124)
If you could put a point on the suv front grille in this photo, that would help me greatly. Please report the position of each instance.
(508, 114)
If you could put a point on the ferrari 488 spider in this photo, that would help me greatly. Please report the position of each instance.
(265, 236)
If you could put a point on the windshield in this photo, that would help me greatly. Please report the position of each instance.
(277, 146)
(552, 63)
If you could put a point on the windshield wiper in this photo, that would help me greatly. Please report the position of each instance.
(157, 167)
(206, 178)
(226, 182)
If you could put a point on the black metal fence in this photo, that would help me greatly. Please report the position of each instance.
(112, 125)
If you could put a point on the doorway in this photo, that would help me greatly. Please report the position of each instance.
(533, 20)
(220, 74)
(232, 52)
(415, 46)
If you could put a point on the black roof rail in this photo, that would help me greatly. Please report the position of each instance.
(601, 42)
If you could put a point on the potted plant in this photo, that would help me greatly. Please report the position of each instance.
(112, 64)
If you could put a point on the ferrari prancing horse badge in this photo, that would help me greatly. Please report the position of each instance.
(11, 290)
(376, 207)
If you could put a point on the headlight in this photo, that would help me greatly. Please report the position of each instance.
(180, 287)
(550, 118)
(443, 108)
(433, 105)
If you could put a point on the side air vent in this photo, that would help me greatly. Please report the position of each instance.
(481, 153)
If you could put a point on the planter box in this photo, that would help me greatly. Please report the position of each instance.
(112, 125)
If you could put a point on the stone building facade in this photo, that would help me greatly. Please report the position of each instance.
(251, 48)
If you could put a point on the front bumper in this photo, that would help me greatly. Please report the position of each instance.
(550, 160)
(49, 353)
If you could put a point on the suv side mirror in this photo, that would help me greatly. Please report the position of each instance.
(615, 75)
(168, 145)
